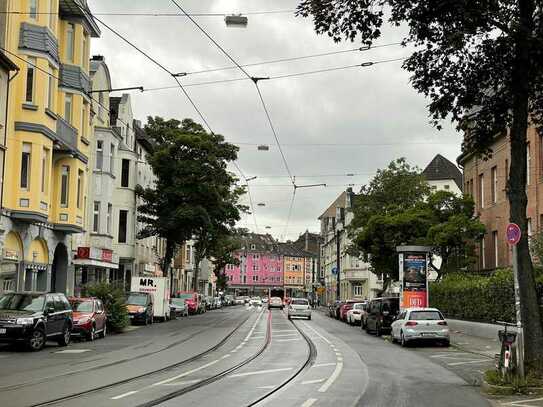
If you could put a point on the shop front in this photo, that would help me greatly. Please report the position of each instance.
(95, 265)
(10, 264)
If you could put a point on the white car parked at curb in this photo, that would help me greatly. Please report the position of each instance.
(354, 315)
(420, 324)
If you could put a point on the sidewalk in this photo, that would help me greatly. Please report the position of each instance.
(475, 337)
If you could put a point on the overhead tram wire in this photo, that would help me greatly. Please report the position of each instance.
(148, 14)
(198, 111)
(254, 79)
(292, 75)
(251, 203)
(291, 206)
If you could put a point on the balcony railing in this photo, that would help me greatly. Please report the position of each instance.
(67, 135)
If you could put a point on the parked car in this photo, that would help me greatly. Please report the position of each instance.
(354, 315)
(420, 324)
(178, 308)
(217, 303)
(265, 300)
(336, 308)
(159, 289)
(229, 300)
(89, 318)
(192, 299)
(275, 302)
(381, 314)
(255, 302)
(332, 309)
(239, 301)
(32, 318)
(209, 302)
(140, 307)
(344, 308)
(299, 307)
(201, 304)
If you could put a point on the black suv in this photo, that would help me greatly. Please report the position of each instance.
(381, 314)
(33, 318)
(140, 307)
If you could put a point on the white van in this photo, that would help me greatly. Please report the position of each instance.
(159, 288)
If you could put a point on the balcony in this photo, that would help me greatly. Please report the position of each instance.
(66, 136)
(78, 9)
(72, 77)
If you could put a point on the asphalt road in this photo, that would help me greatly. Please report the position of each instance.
(247, 357)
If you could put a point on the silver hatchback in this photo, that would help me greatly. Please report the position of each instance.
(299, 307)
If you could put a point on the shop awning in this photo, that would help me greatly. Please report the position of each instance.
(95, 263)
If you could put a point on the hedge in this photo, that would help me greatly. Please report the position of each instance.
(477, 298)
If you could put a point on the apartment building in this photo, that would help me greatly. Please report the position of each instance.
(48, 146)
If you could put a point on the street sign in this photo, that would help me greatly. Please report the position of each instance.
(513, 234)
(334, 270)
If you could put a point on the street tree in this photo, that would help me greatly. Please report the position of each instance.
(222, 254)
(193, 191)
(479, 63)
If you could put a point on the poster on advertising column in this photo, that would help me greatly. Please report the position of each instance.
(414, 289)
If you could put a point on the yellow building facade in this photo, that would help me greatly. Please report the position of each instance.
(48, 137)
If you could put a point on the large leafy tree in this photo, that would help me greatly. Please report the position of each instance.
(194, 194)
(477, 56)
(222, 254)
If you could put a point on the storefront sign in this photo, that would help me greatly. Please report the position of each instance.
(95, 253)
(414, 280)
(11, 255)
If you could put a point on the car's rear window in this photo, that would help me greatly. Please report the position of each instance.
(299, 302)
(83, 306)
(358, 306)
(425, 316)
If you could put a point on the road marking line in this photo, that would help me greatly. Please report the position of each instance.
(340, 359)
(332, 378)
(282, 335)
(516, 403)
(318, 334)
(324, 364)
(181, 383)
(309, 402)
(225, 356)
(261, 372)
(69, 351)
(120, 396)
(289, 340)
(468, 362)
(171, 379)
(448, 354)
(313, 381)
(266, 387)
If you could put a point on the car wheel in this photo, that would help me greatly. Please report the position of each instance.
(92, 334)
(403, 342)
(104, 333)
(289, 318)
(309, 318)
(447, 343)
(64, 339)
(36, 341)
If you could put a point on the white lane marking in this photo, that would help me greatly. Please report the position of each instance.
(284, 335)
(468, 362)
(518, 403)
(179, 376)
(181, 383)
(318, 334)
(324, 364)
(289, 340)
(313, 381)
(120, 396)
(340, 359)
(68, 351)
(225, 356)
(451, 354)
(309, 402)
(261, 372)
(332, 378)
(266, 387)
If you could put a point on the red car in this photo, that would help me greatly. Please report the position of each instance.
(346, 306)
(89, 318)
(192, 299)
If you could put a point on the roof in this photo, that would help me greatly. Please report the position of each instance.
(114, 103)
(289, 249)
(339, 202)
(441, 169)
(7, 63)
(142, 138)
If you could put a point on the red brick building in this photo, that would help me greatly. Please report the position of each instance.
(485, 181)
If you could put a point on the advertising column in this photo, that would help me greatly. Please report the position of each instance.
(413, 262)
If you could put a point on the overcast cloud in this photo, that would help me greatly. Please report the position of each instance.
(374, 105)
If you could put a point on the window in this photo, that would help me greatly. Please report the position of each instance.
(253, 247)
(483, 254)
(187, 254)
(101, 103)
(495, 243)
(108, 218)
(255, 267)
(528, 164)
(111, 157)
(481, 195)
(30, 79)
(79, 188)
(70, 35)
(44, 170)
(255, 278)
(529, 227)
(244, 279)
(84, 42)
(64, 185)
(50, 89)
(52, 14)
(125, 173)
(68, 103)
(123, 220)
(99, 154)
(494, 184)
(25, 165)
(96, 217)
(446, 187)
(256, 256)
(84, 120)
(33, 9)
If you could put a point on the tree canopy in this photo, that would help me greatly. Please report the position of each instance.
(194, 194)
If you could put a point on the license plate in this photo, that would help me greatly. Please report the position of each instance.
(427, 334)
(3, 330)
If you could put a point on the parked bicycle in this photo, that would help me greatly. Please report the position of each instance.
(506, 360)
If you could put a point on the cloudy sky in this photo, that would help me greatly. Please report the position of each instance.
(350, 121)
